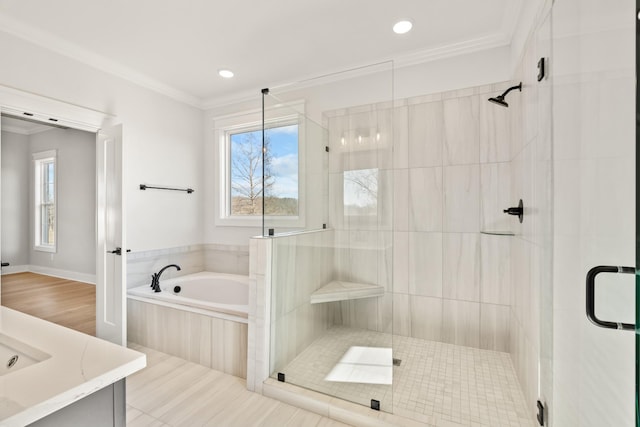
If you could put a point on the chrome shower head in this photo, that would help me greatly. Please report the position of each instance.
(500, 99)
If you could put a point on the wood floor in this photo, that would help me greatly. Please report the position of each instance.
(65, 302)
(175, 392)
(170, 391)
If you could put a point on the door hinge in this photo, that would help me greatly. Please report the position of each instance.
(540, 415)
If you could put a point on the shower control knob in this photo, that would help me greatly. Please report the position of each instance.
(516, 211)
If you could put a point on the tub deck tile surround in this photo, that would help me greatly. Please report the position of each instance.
(232, 259)
(209, 341)
(175, 392)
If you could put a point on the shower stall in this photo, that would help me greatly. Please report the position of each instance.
(431, 258)
(391, 286)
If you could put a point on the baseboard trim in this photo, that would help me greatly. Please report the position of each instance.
(13, 269)
(54, 272)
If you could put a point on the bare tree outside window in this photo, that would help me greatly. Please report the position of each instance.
(280, 184)
(247, 184)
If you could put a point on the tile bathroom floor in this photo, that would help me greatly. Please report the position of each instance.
(175, 392)
(436, 383)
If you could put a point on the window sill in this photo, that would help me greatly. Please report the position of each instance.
(50, 249)
(269, 222)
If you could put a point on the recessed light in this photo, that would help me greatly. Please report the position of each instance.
(402, 27)
(227, 74)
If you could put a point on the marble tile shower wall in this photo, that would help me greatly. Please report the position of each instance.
(232, 259)
(445, 178)
(192, 259)
(361, 141)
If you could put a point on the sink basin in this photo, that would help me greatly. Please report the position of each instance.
(15, 355)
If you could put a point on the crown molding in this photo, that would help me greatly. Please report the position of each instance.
(453, 49)
(233, 99)
(509, 27)
(302, 83)
(407, 60)
(56, 44)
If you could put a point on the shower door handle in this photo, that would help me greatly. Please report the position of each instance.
(591, 304)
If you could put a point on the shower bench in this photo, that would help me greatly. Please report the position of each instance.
(338, 290)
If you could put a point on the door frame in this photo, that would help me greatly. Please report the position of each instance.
(49, 110)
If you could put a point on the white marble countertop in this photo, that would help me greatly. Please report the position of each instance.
(79, 365)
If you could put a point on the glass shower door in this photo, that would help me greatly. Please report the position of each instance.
(331, 274)
(594, 165)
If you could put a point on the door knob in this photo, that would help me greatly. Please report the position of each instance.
(117, 251)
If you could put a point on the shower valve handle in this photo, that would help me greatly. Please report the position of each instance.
(516, 210)
(513, 211)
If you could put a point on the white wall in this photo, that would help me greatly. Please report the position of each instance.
(15, 198)
(76, 196)
(162, 139)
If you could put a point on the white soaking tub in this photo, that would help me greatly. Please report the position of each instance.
(215, 292)
(205, 321)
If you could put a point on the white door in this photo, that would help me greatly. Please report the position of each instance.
(110, 255)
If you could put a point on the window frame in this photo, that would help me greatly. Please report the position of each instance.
(289, 114)
(39, 159)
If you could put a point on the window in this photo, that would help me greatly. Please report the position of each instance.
(277, 181)
(45, 200)
(239, 140)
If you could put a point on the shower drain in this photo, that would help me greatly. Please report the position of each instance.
(396, 362)
(12, 361)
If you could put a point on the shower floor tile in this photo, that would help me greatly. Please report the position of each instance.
(371, 365)
(443, 383)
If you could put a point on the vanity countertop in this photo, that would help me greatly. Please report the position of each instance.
(78, 365)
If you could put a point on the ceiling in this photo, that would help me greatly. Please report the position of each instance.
(176, 47)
